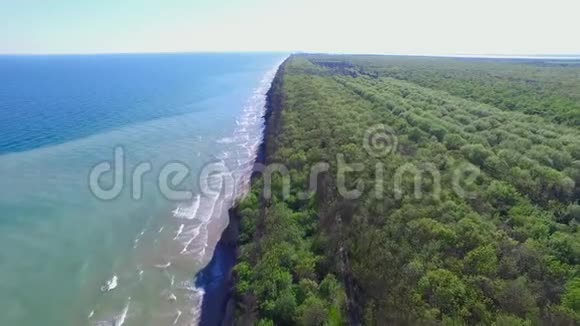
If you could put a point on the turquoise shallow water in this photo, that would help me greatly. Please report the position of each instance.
(69, 258)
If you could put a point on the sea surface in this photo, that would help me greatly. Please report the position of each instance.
(97, 224)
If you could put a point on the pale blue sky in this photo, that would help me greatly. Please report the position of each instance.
(360, 26)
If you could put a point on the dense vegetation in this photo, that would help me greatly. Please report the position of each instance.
(547, 88)
(506, 254)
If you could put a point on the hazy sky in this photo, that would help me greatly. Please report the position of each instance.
(361, 26)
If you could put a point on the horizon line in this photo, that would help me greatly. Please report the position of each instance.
(560, 56)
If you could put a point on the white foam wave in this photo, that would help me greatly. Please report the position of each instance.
(184, 250)
(196, 309)
(171, 298)
(238, 153)
(163, 266)
(249, 132)
(247, 137)
(194, 231)
(177, 317)
(225, 140)
(110, 285)
(179, 231)
(118, 320)
(188, 212)
(121, 319)
(138, 238)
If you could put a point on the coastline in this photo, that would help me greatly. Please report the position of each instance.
(216, 279)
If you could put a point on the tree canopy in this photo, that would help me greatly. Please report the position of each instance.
(506, 254)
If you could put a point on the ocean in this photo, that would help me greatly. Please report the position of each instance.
(116, 173)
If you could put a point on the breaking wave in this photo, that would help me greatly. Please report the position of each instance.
(192, 231)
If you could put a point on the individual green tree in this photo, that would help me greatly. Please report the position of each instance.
(312, 312)
(244, 275)
(510, 320)
(476, 154)
(516, 298)
(482, 260)
(502, 195)
(573, 212)
(454, 141)
(571, 298)
(443, 290)
(265, 322)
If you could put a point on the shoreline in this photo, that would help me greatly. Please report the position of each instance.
(216, 279)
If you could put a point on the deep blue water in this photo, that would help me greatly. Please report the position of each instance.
(48, 100)
(61, 247)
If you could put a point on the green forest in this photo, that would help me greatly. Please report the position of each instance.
(508, 253)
